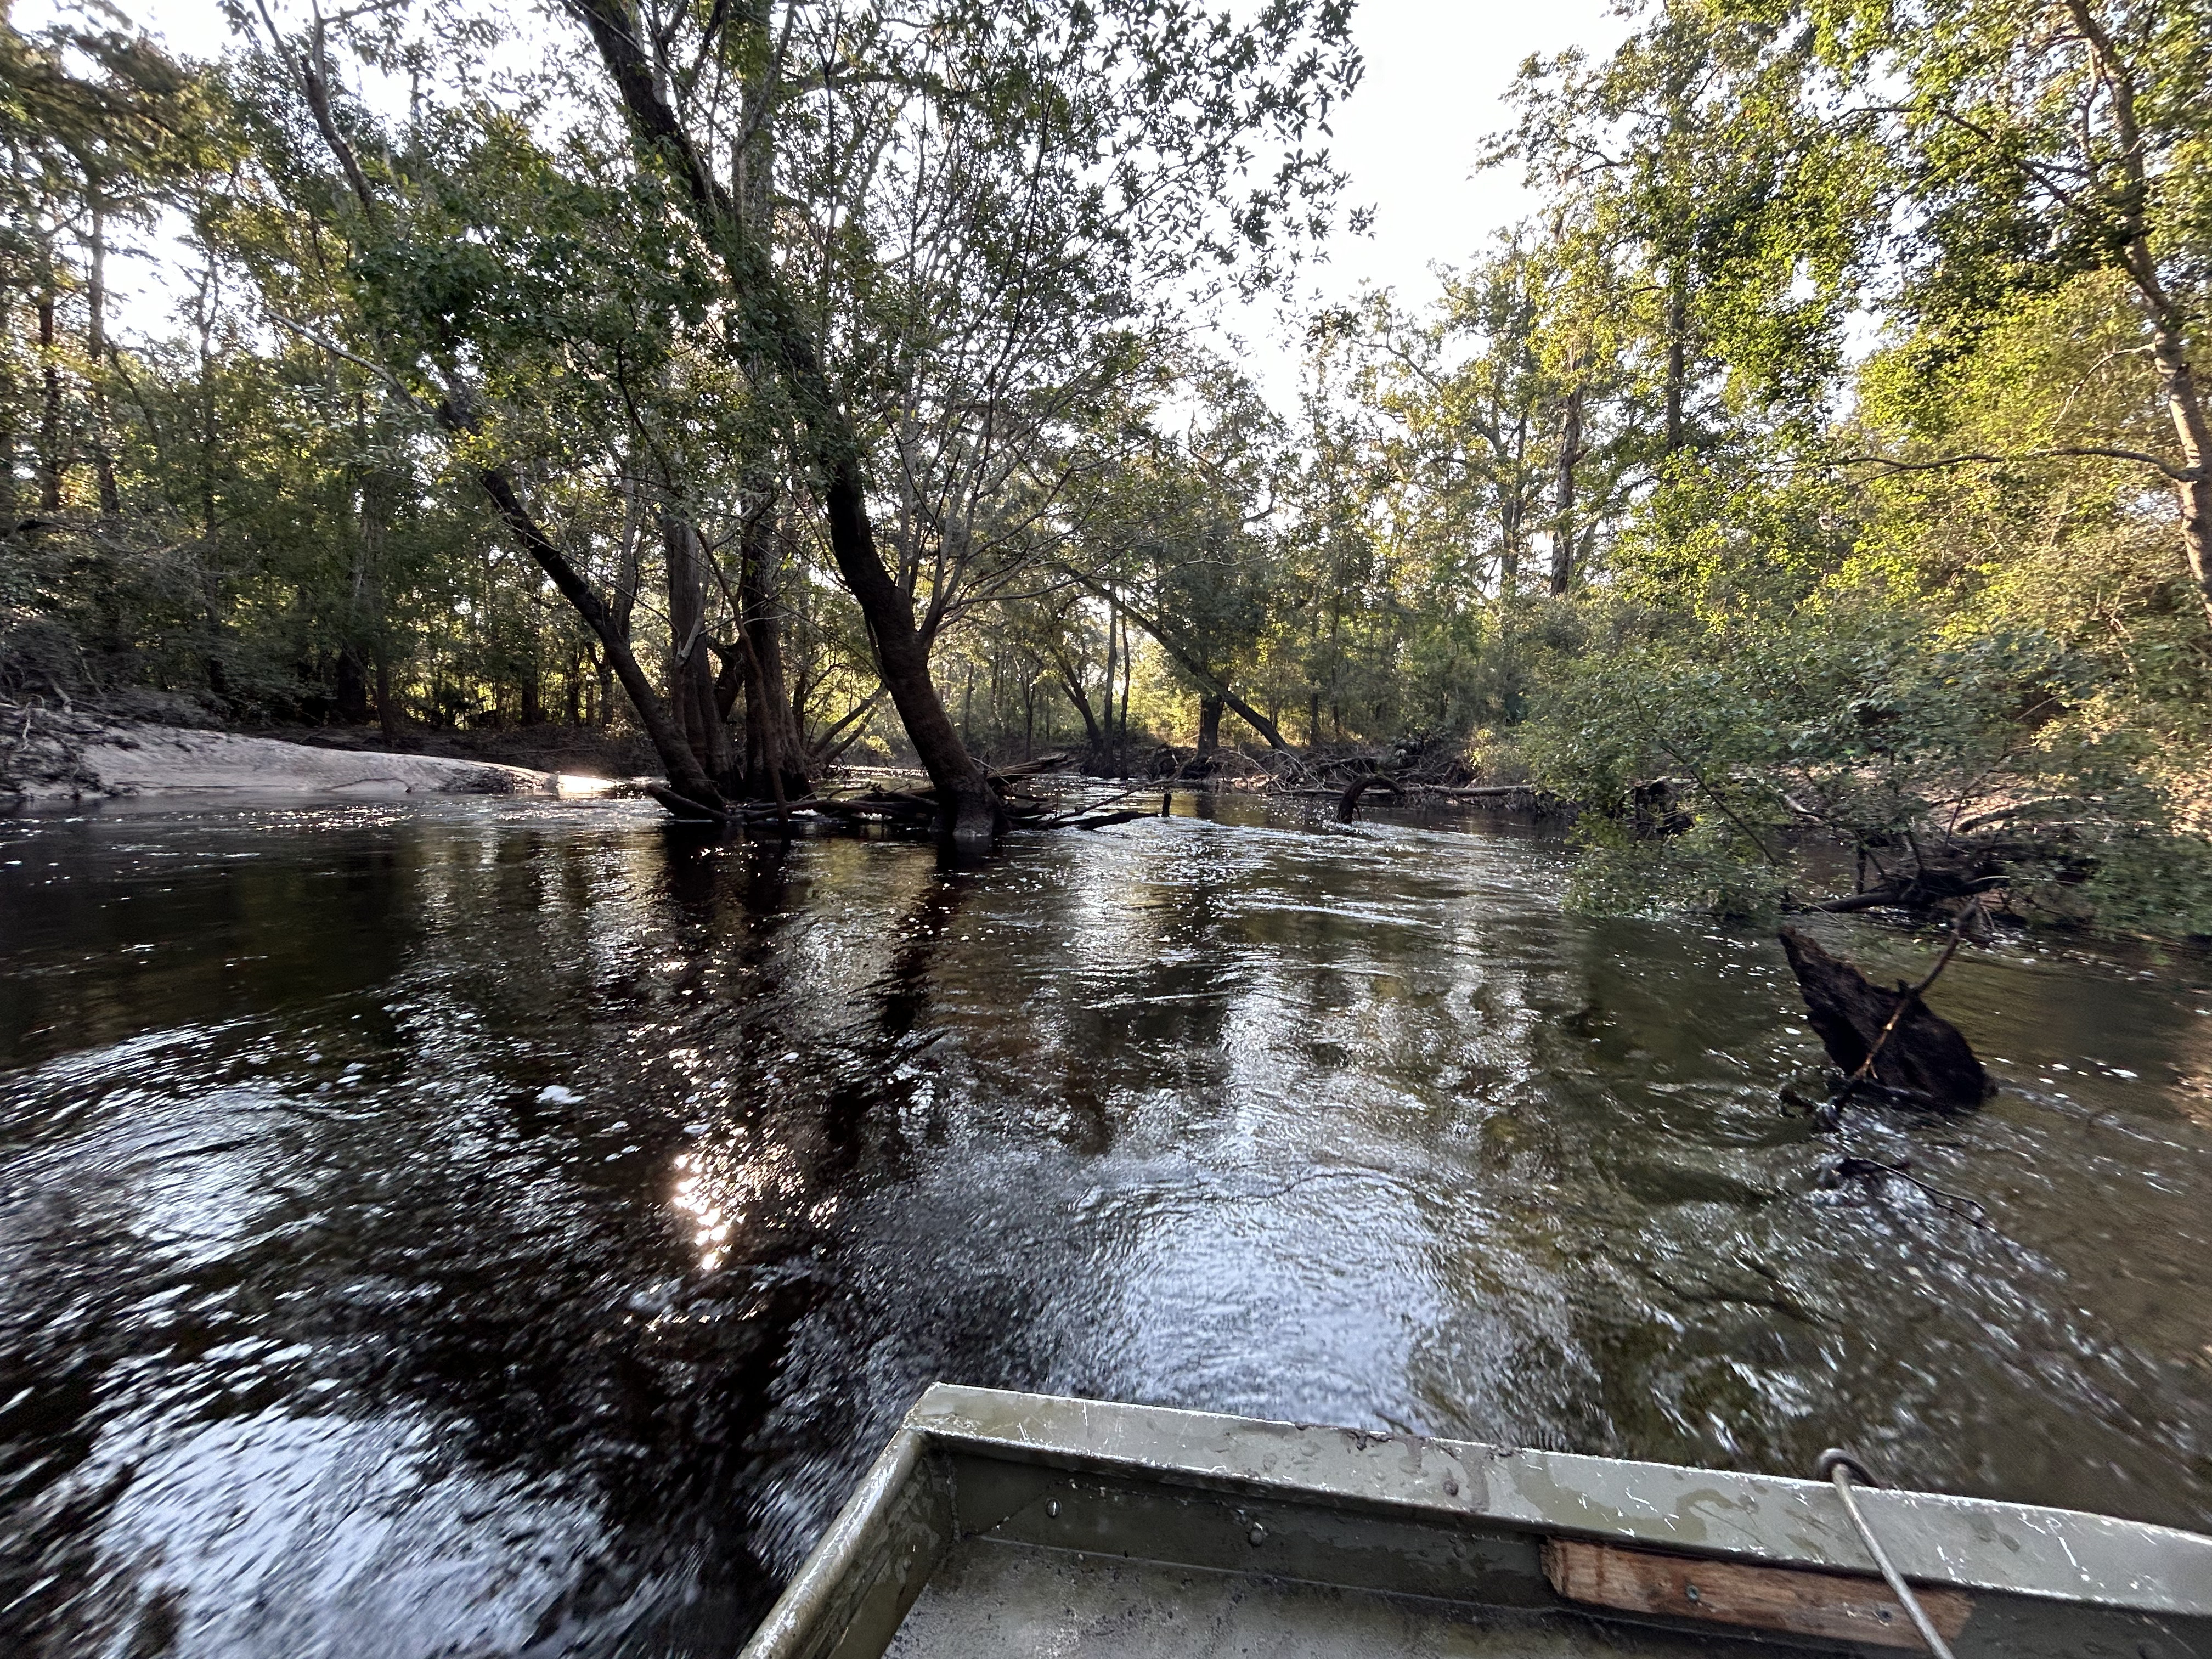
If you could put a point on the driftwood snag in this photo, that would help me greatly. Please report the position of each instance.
(1347, 803)
(1923, 1055)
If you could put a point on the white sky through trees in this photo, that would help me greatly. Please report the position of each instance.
(1436, 71)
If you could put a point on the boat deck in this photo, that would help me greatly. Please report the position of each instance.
(989, 1600)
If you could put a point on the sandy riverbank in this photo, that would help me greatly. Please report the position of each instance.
(55, 754)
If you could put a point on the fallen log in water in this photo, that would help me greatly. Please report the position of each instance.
(1888, 1036)
(1922, 892)
(683, 808)
(1100, 820)
(898, 811)
(1029, 768)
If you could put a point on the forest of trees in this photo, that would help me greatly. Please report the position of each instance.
(1815, 491)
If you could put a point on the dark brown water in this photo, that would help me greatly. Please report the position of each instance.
(498, 1228)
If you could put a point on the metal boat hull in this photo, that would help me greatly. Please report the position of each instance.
(998, 1524)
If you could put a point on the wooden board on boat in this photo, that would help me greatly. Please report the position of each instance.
(1786, 1600)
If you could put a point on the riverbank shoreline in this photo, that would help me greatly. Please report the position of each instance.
(59, 754)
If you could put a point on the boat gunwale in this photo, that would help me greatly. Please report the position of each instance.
(1972, 1543)
(859, 1528)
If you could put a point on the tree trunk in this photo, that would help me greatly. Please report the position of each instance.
(969, 810)
(1072, 682)
(621, 603)
(2177, 380)
(775, 760)
(387, 710)
(1209, 727)
(1128, 667)
(2186, 405)
(1513, 522)
(691, 668)
(218, 676)
(1207, 679)
(1253, 717)
(1113, 641)
(103, 452)
(534, 670)
(51, 463)
(1677, 355)
(661, 730)
(776, 751)
(1562, 520)
(8, 514)
(352, 687)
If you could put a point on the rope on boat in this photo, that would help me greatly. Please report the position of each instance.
(1842, 1469)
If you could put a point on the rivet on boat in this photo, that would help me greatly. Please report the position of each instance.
(1259, 1534)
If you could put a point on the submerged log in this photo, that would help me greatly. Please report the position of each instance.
(1483, 792)
(1915, 1052)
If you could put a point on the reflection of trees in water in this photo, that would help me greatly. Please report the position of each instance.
(900, 993)
(1618, 1285)
(817, 1104)
(231, 934)
(1392, 1023)
(1113, 990)
(603, 1344)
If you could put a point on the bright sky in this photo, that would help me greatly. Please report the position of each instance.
(1436, 74)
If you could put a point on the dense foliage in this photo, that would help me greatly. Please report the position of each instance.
(1816, 492)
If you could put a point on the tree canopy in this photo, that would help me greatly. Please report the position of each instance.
(1819, 472)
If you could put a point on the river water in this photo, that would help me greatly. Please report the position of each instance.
(489, 1228)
